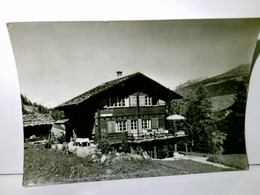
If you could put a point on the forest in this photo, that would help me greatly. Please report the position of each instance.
(208, 131)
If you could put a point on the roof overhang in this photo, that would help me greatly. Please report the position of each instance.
(122, 87)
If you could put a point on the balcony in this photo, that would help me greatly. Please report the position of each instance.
(143, 136)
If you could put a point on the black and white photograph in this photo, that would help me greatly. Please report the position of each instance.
(110, 100)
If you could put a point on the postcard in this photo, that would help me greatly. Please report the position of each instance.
(132, 99)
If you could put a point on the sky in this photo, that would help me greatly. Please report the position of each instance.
(57, 61)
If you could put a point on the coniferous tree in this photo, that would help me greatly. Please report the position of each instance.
(200, 123)
(235, 123)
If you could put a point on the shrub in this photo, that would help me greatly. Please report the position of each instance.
(61, 139)
(124, 144)
(47, 145)
(139, 150)
(104, 145)
(57, 115)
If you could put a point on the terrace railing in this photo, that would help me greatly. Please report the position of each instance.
(115, 138)
(148, 134)
(144, 135)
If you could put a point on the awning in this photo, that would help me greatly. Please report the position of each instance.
(175, 117)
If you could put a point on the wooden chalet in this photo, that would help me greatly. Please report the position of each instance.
(133, 105)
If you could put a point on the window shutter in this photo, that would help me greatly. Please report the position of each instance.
(128, 125)
(142, 100)
(140, 125)
(161, 103)
(155, 123)
(111, 126)
(127, 102)
(133, 101)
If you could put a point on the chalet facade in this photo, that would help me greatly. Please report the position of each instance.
(134, 105)
(135, 114)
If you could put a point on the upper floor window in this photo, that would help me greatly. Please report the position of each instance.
(148, 101)
(131, 101)
(116, 102)
(121, 126)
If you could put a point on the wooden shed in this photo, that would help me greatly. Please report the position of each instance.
(37, 124)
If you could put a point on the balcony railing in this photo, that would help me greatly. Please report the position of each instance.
(143, 136)
(148, 134)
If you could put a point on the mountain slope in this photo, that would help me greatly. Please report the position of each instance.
(36, 114)
(220, 88)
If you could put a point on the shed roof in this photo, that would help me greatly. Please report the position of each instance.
(119, 82)
(37, 119)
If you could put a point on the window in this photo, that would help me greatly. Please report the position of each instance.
(120, 102)
(116, 102)
(146, 123)
(148, 101)
(120, 126)
(133, 124)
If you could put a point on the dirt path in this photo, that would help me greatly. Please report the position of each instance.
(188, 166)
(198, 159)
(204, 160)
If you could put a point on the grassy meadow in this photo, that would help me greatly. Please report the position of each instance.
(47, 166)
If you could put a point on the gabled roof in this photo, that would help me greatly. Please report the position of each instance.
(115, 83)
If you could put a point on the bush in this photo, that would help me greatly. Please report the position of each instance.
(213, 158)
(47, 145)
(104, 145)
(57, 115)
(61, 139)
(124, 144)
(139, 150)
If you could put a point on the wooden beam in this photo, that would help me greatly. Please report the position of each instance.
(98, 118)
(138, 112)
(155, 152)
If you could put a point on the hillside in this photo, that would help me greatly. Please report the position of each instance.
(36, 114)
(220, 88)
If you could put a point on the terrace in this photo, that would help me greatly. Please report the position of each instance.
(149, 135)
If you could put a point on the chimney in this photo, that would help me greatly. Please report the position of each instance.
(119, 73)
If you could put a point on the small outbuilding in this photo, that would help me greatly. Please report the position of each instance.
(38, 125)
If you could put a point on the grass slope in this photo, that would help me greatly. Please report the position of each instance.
(238, 161)
(46, 166)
